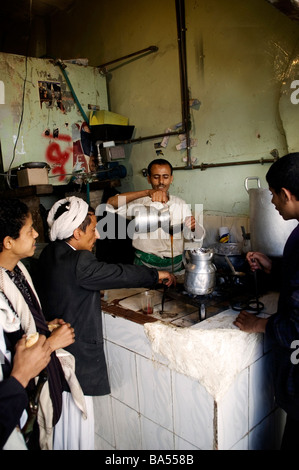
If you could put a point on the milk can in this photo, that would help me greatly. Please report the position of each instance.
(200, 272)
(268, 230)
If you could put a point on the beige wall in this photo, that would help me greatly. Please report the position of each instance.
(239, 57)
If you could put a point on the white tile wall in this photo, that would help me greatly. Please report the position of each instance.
(127, 334)
(193, 410)
(126, 427)
(154, 407)
(213, 222)
(155, 392)
(181, 444)
(101, 444)
(261, 392)
(242, 444)
(232, 412)
(261, 438)
(123, 378)
(104, 426)
(155, 437)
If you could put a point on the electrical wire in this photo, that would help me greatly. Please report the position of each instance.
(8, 175)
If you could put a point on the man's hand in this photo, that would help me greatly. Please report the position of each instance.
(53, 324)
(258, 260)
(250, 323)
(198, 231)
(158, 195)
(61, 336)
(29, 362)
(190, 222)
(166, 278)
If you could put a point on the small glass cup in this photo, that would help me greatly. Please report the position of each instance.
(147, 302)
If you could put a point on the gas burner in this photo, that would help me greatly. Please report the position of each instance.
(253, 305)
(229, 292)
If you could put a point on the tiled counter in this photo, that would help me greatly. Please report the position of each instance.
(154, 405)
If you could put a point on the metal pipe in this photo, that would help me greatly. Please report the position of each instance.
(64, 73)
(186, 121)
(142, 51)
(181, 30)
(205, 166)
(148, 137)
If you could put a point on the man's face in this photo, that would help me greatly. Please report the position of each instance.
(89, 237)
(25, 245)
(160, 177)
(279, 201)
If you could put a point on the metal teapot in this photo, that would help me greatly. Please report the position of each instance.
(149, 218)
(200, 272)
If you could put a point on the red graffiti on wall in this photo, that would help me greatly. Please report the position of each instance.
(58, 157)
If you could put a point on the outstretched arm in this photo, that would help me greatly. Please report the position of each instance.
(121, 199)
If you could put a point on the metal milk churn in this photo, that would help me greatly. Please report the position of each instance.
(200, 272)
(268, 230)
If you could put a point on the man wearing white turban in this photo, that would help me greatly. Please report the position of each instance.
(69, 282)
(73, 217)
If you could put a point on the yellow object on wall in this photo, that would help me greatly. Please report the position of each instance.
(107, 117)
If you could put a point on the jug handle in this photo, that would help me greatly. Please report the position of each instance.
(185, 261)
(252, 178)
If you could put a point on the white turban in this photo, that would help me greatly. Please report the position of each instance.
(64, 226)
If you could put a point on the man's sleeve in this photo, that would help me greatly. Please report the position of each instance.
(13, 401)
(97, 275)
(283, 327)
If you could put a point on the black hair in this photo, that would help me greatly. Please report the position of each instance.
(87, 221)
(284, 173)
(13, 215)
(159, 161)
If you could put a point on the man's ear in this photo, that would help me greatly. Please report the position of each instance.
(287, 195)
(77, 234)
(7, 242)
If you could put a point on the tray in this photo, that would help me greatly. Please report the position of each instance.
(106, 132)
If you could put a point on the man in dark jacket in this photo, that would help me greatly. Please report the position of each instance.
(69, 283)
(283, 327)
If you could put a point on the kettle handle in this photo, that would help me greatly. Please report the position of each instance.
(185, 261)
(252, 178)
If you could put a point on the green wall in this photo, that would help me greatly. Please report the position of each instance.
(40, 128)
(241, 60)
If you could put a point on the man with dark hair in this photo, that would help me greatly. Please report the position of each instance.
(69, 284)
(283, 327)
(158, 249)
(20, 314)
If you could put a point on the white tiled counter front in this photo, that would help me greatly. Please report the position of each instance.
(154, 405)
